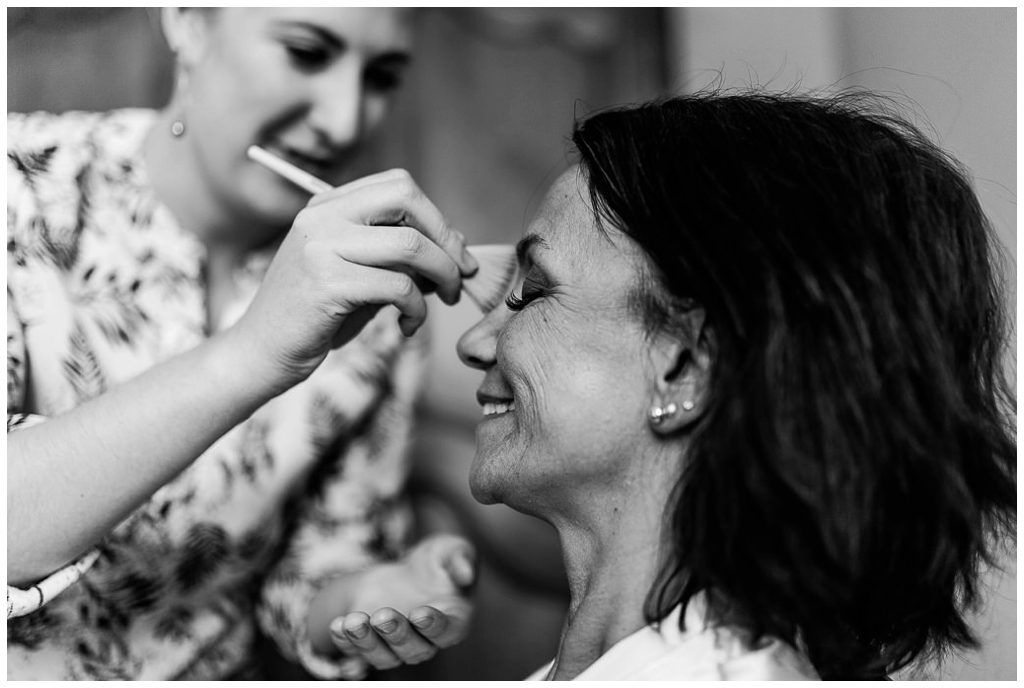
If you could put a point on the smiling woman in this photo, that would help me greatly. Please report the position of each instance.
(310, 85)
(550, 364)
(752, 377)
(209, 406)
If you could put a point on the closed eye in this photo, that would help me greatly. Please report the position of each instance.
(308, 58)
(309, 46)
(531, 291)
(384, 79)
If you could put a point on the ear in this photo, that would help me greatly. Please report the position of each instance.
(186, 32)
(681, 368)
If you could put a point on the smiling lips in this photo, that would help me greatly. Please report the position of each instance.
(495, 409)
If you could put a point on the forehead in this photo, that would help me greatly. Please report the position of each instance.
(565, 216)
(383, 27)
(592, 265)
(566, 223)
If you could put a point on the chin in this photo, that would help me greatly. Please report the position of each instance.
(501, 487)
(278, 205)
(480, 488)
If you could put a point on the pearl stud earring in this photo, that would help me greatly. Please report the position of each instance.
(659, 414)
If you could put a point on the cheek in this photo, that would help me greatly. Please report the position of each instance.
(574, 385)
(591, 411)
(231, 112)
(247, 86)
(375, 111)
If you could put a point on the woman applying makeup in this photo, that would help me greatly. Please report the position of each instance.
(208, 407)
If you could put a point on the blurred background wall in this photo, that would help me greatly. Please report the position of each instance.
(483, 127)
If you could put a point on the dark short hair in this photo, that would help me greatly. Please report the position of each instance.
(857, 460)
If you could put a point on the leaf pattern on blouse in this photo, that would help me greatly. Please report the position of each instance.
(206, 550)
(81, 369)
(32, 163)
(102, 284)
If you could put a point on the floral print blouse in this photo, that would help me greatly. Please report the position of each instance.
(102, 283)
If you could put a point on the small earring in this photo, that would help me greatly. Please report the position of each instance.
(688, 405)
(659, 414)
(181, 96)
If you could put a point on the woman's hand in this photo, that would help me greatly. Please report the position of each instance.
(404, 612)
(373, 242)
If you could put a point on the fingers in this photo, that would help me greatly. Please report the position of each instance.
(377, 241)
(393, 198)
(407, 249)
(385, 640)
(461, 567)
(443, 625)
(455, 555)
(353, 324)
(369, 285)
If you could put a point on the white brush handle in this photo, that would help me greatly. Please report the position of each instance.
(299, 177)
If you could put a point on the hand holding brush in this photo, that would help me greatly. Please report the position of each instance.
(487, 287)
(352, 250)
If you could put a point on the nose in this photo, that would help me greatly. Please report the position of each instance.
(478, 346)
(337, 109)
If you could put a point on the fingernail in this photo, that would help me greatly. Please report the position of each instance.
(387, 626)
(407, 325)
(338, 626)
(359, 631)
(423, 622)
(464, 571)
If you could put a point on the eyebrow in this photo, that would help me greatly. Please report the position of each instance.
(328, 37)
(526, 244)
(395, 58)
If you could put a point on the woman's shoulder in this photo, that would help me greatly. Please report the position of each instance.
(46, 144)
(718, 653)
(770, 660)
(685, 646)
(40, 130)
(58, 166)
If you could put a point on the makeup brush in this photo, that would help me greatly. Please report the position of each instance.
(487, 287)
(499, 268)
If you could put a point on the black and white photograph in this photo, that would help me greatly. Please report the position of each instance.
(511, 344)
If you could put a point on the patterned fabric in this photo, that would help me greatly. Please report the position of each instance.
(102, 284)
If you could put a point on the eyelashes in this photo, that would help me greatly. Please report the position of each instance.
(307, 57)
(531, 288)
(311, 58)
(383, 80)
(515, 303)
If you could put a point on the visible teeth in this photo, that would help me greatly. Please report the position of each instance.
(494, 409)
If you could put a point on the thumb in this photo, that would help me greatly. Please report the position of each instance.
(460, 564)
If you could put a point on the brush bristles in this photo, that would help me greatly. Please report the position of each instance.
(496, 276)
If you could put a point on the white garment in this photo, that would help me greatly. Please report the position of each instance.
(702, 652)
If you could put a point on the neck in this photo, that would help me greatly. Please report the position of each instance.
(611, 569)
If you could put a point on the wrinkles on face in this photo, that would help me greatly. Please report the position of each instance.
(572, 356)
